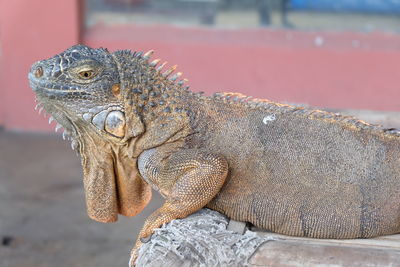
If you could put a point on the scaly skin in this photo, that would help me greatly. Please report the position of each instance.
(286, 169)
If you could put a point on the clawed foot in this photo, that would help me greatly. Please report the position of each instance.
(135, 250)
(132, 260)
(135, 253)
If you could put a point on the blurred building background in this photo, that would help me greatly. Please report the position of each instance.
(336, 54)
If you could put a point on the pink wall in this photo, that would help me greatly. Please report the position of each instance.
(339, 70)
(30, 30)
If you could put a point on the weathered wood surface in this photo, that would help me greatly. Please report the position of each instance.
(292, 251)
(199, 240)
(203, 240)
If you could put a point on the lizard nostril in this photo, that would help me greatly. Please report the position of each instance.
(38, 72)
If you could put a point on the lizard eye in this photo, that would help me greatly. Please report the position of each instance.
(86, 74)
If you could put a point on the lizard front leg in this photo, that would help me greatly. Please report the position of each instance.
(188, 180)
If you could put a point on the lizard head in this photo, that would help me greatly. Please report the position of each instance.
(82, 90)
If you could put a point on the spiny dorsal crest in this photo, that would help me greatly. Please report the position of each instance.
(148, 54)
(148, 88)
(256, 103)
(145, 57)
(155, 62)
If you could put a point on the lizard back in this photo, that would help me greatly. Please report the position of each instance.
(302, 172)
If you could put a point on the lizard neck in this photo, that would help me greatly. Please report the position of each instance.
(156, 106)
(148, 92)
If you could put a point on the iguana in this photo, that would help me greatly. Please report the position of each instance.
(287, 169)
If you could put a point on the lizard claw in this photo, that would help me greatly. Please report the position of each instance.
(135, 251)
(132, 260)
(145, 239)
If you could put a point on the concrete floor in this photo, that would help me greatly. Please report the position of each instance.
(43, 220)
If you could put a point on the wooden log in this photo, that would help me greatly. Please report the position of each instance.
(199, 240)
(202, 239)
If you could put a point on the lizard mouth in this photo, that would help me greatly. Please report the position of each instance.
(54, 90)
(43, 87)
